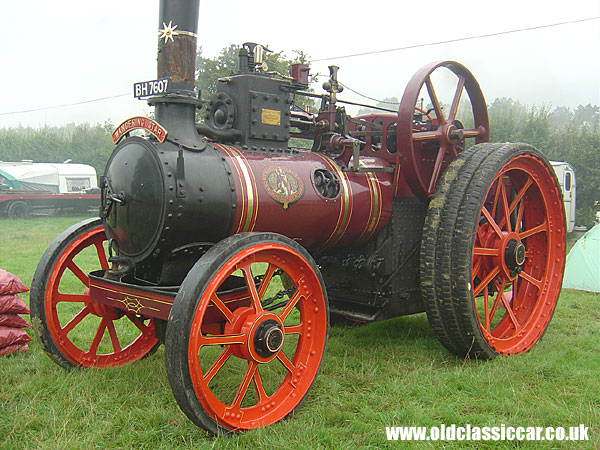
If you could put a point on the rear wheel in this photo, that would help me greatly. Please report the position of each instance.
(246, 334)
(19, 210)
(493, 251)
(73, 330)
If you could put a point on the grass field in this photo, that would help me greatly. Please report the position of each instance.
(392, 373)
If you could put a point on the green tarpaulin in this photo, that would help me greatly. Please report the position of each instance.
(583, 263)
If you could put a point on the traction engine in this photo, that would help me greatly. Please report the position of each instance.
(234, 246)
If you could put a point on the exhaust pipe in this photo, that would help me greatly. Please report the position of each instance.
(177, 34)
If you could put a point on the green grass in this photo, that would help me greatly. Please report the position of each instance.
(392, 373)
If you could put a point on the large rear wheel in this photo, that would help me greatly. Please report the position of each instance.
(493, 251)
(73, 330)
(246, 334)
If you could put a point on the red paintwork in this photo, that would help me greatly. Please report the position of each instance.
(381, 150)
(425, 154)
(12, 197)
(301, 318)
(361, 209)
(47, 201)
(130, 298)
(67, 335)
(524, 301)
(149, 303)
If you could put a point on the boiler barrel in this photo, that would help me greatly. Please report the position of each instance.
(279, 193)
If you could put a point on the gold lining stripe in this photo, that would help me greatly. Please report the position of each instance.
(252, 211)
(377, 207)
(243, 188)
(133, 295)
(130, 307)
(345, 205)
(155, 300)
(397, 179)
(186, 33)
(372, 206)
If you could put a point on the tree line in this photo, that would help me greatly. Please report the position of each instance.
(563, 134)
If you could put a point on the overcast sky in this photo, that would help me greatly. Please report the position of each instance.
(65, 51)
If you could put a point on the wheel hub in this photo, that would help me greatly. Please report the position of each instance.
(264, 335)
(514, 256)
(268, 338)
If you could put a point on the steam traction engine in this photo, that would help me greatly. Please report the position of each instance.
(231, 247)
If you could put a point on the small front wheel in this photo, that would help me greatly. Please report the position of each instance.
(247, 332)
(73, 330)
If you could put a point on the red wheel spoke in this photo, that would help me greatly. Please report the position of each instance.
(497, 300)
(437, 167)
(78, 273)
(258, 386)
(506, 213)
(520, 217)
(114, 339)
(75, 320)
(514, 204)
(251, 288)
(77, 344)
(486, 316)
(520, 194)
(222, 339)
(434, 101)
(248, 376)
(491, 221)
(101, 255)
(216, 366)
(427, 135)
(290, 304)
(499, 184)
(286, 362)
(76, 298)
(476, 268)
(510, 312)
(456, 99)
(490, 276)
(222, 307)
(486, 251)
(138, 323)
(293, 329)
(266, 279)
(98, 337)
(530, 279)
(541, 227)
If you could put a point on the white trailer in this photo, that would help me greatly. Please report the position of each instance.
(566, 177)
(47, 177)
(27, 187)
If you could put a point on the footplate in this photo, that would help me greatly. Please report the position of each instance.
(155, 302)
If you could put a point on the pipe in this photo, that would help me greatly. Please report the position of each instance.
(177, 34)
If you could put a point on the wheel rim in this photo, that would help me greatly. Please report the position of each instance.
(428, 146)
(87, 333)
(518, 263)
(272, 377)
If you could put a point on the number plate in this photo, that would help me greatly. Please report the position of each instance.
(148, 88)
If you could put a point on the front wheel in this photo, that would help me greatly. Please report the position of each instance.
(73, 330)
(19, 210)
(493, 251)
(247, 332)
